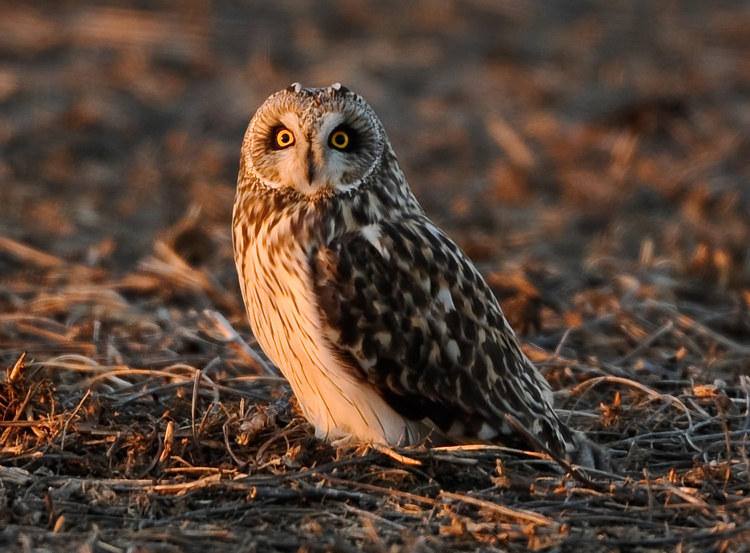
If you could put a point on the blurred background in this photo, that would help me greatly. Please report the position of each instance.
(562, 138)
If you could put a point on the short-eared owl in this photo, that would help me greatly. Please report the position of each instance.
(384, 328)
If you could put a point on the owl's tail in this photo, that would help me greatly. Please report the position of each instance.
(564, 444)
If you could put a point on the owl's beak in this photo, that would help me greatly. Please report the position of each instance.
(310, 166)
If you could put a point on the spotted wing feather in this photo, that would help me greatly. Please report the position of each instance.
(407, 311)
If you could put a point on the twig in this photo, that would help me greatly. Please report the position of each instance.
(564, 339)
(29, 254)
(72, 416)
(385, 450)
(650, 494)
(225, 428)
(231, 334)
(689, 323)
(645, 344)
(589, 384)
(368, 514)
(516, 514)
(168, 441)
(385, 491)
(194, 400)
(18, 365)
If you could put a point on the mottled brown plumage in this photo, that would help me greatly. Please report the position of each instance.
(384, 328)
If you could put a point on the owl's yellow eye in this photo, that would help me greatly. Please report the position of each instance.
(284, 138)
(340, 140)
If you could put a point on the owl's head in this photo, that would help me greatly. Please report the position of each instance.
(313, 141)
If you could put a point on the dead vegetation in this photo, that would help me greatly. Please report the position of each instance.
(600, 183)
(130, 417)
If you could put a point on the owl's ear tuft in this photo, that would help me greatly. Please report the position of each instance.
(341, 89)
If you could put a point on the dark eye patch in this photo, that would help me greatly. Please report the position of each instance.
(354, 142)
(271, 140)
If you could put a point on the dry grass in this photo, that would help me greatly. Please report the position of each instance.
(147, 422)
(591, 159)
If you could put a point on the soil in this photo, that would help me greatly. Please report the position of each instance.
(593, 159)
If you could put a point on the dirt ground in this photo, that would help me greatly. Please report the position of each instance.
(592, 158)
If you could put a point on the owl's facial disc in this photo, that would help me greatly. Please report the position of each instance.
(315, 141)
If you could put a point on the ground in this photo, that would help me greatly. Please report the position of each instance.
(593, 159)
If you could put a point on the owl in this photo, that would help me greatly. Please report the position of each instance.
(384, 328)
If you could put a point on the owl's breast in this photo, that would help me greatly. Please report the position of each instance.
(286, 320)
(273, 273)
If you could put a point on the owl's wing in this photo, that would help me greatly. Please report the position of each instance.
(406, 310)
